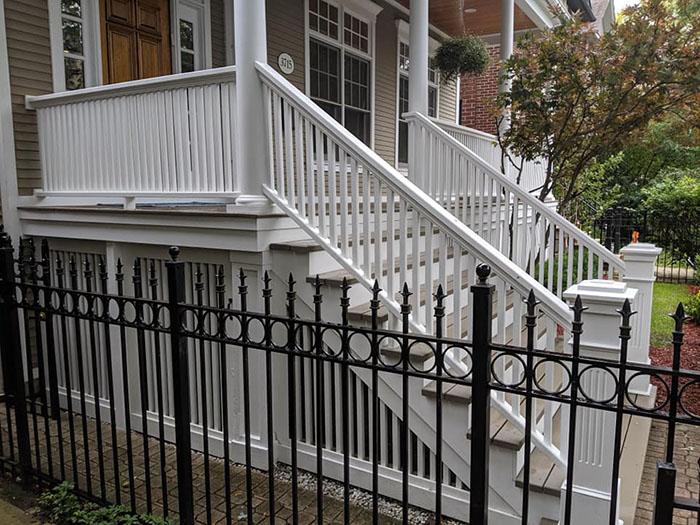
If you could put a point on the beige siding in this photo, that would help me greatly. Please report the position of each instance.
(447, 105)
(29, 55)
(385, 86)
(285, 34)
(218, 33)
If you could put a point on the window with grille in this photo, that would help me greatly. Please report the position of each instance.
(340, 66)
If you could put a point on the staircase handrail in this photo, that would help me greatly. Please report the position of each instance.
(561, 222)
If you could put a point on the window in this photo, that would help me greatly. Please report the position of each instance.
(193, 43)
(340, 66)
(74, 52)
(404, 63)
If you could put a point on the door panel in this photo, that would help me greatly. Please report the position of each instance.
(137, 39)
(120, 11)
(120, 44)
(149, 53)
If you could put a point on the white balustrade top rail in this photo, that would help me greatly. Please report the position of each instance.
(172, 135)
(485, 145)
(523, 228)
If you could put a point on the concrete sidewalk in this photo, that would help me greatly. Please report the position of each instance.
(11, 515)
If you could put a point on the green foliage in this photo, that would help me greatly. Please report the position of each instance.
(64, 508)
(665, 301)
(575, 98)
(692, 307)
(677, 193)
(461, 55)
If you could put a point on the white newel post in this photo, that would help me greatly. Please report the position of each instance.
(251, 46)
(640, 260)
(595, 429)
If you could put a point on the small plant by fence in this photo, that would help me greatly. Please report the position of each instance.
(95, 349)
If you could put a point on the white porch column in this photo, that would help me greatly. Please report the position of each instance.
(418, 55)
(595, 429)
(640, 259)
(250, 37)
(506, 48)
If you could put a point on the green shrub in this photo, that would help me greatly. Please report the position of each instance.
(692, 307)
(460, 55)
(64, 508)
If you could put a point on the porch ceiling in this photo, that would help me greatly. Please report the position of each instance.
(450, 16)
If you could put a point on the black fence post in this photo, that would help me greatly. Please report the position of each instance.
(664, 493)
(11, 345)
(482, 293)
(181, 382)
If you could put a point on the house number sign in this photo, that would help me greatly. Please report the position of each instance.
(286, 63)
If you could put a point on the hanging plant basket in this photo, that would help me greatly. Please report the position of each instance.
(461, 55)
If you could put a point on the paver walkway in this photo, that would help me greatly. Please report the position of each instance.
(686, 455)
(332, 508)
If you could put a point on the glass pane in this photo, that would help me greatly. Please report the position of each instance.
(186, 35)
(75, 73)
(72, 37)
(403, 142)
(324, 71)
(432, 102)
(186, 61)
(356, 82)
(71, 7)
(357, 123)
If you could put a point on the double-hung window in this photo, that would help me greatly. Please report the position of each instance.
(340, 65)
(433, 84)
(74, 46)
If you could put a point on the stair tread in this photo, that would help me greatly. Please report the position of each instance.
(333, 277)
(452, 392)
(545, 476)
(303, 246)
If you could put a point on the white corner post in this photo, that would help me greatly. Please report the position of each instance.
(506, 46)
(418, 55)
(595, 429)
(640, 260)
(250, 38)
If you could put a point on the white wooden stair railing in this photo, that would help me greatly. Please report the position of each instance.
(485, 145)
(379, 225)
(526, 230)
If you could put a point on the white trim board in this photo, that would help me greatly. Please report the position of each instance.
(8, 162)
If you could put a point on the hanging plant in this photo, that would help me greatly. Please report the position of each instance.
(460, 55)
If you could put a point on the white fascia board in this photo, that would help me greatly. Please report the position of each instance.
(540, 11)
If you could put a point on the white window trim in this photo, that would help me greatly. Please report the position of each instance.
(200, 5)
(92, 44)
(403, 31)
(366, 11)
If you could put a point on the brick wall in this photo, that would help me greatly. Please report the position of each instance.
(476, 92)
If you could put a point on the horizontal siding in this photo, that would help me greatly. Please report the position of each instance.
(385, 86)
(218, 33)
(447, 105)
(285, 34)
(29, 54)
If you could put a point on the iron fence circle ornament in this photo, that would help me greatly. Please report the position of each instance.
(286, 63)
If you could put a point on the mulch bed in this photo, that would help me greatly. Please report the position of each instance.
(690, 360)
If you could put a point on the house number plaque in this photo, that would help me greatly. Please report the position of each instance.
(285, 63)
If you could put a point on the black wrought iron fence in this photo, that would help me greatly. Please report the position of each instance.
(72, 356)
(679, 237)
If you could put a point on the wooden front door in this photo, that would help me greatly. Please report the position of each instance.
(136, 39)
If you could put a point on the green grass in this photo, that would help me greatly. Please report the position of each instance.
(666, 299)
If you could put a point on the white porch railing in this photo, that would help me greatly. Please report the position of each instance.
(393, 232)
(536, 238)
(485, 145)
(164, 136)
